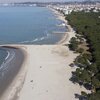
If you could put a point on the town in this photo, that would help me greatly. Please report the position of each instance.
(65, 7)
(76, 7)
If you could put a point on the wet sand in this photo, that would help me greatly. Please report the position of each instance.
(10, 67)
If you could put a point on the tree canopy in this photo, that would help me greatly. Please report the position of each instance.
(88, 25)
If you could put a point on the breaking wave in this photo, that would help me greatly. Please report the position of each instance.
(36, 39)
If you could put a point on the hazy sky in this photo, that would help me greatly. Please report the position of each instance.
(8, 1)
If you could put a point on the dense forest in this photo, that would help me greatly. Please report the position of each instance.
(87, 74)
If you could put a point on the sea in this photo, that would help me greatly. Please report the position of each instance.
(29, 25)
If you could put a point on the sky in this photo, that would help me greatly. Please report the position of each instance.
(9, 1)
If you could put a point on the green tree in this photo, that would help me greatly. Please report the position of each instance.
(73, 44)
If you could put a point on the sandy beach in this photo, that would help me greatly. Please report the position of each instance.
(49, 73)
(45, 72)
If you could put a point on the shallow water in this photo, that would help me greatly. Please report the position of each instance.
(3, 55)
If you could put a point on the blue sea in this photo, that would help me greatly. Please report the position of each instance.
(29, 25)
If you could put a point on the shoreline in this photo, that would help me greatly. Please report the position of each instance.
(13, 67)
(45, 72)
(69, 30)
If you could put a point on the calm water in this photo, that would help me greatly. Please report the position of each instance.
(28, 25)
